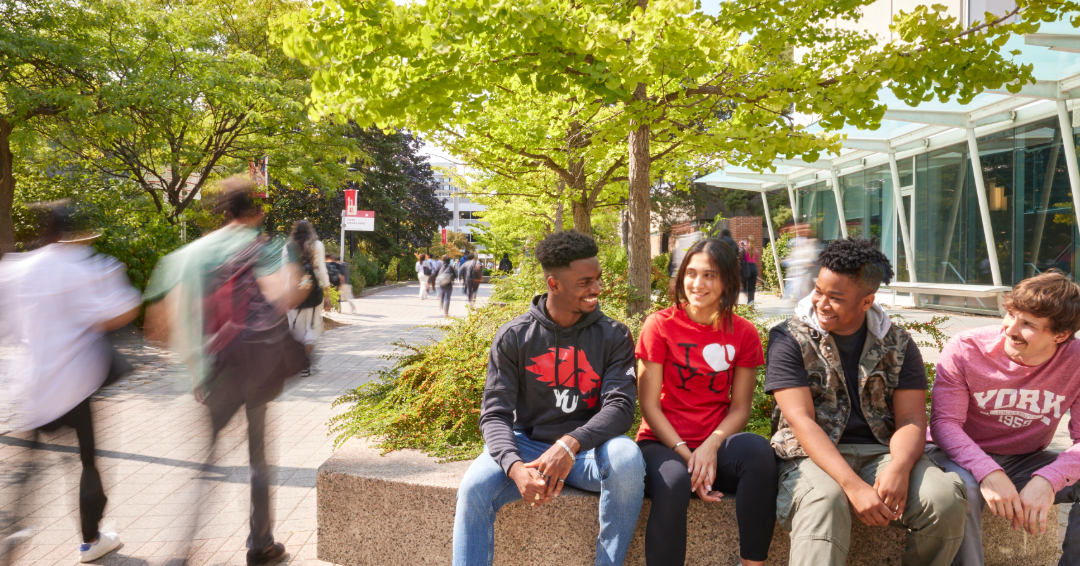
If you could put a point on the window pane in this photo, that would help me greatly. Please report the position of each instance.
(1047, 233)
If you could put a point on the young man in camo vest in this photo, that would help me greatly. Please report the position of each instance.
(850, 421)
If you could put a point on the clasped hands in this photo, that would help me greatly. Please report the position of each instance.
(701, 465)
(879, 504)
(1028, 509)
(541, 480)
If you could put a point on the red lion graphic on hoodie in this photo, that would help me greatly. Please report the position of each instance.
(584, 378)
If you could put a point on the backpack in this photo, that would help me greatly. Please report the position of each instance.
(333, 271)
(315, 296)
(477, 271)
(230, 289)
(445, 277)
(427, 269)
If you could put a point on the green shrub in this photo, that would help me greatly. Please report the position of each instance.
(774, 283)
(365, 271)
(936, 338)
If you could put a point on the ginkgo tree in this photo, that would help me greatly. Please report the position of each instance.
(725, 83)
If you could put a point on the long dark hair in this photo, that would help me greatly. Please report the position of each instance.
(303, 235)
(727, 264)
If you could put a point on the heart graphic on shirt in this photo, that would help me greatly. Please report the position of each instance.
(718, 357)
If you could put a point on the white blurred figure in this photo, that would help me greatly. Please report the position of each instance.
(56, 304)
(801, 264)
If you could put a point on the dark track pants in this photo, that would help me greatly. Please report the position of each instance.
(745, 466)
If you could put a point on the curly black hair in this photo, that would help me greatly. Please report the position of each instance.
(559, 249)
(859, 259)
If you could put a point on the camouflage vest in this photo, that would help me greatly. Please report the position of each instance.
(879, 374)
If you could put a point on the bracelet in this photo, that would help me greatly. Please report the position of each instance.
(567, 448)
(676, 447)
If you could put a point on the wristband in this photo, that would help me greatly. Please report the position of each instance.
(676, 447)
(567, 448)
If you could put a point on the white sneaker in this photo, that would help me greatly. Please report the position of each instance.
(106, 543)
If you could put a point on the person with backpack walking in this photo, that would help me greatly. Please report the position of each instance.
(505, 265)
(340, 278)
(749, 268)
(220, 301)
(423, 274)
(445, 281)
(57, 302)
(473, 275)
(305, 321)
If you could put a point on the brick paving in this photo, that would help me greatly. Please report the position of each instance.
(152, 439)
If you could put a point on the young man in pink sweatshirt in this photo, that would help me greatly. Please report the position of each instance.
(999, 395)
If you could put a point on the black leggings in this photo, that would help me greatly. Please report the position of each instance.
(750, 284)
(92, 498)
(745, 466)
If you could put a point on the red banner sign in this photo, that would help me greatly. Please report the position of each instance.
(444, 235)
(350, 202)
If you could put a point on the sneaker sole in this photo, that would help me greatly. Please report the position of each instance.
(99, 557)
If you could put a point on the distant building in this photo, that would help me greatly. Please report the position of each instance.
(464, 211)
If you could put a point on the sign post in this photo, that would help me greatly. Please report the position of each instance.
(355, 220)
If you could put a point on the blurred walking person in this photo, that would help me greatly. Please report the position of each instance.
(221, 301)
(434, 265)
(505, 265)
(473, 275)
(306, 320)
(445, 281)
(749, 268)
(56, 304)
(423, 274)
(341, 279)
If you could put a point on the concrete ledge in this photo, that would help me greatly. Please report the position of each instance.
(399, 509)
(380, 288)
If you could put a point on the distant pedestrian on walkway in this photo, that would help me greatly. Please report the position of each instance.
(504, 265)
(224, 302)
(445, 281)
(423, 274)
(341, 279)
(749, 268)
(435, 265)
(305, 321)
(473, 275)
(58, 302)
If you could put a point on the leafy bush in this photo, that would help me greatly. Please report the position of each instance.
(936, 338)
(429, 399)
(774, 283)
(365, 271)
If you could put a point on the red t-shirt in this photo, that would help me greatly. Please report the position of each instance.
(699, 365)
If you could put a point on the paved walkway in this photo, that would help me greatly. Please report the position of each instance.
(152, 440)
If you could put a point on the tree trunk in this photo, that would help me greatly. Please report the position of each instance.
(7, 190)
(582, 217)
(637, 208)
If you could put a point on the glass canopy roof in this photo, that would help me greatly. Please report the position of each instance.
(1054, 52)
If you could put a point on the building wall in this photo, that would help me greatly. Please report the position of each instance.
(460, 207)
(743, 226)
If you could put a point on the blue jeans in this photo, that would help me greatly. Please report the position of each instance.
(615, 469)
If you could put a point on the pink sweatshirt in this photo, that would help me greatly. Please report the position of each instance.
(983, 402)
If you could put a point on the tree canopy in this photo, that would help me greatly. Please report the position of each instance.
(725, 84)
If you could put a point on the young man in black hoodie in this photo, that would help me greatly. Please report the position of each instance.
(559, 397)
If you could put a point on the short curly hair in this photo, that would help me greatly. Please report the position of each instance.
(859, 259)
(559, 249)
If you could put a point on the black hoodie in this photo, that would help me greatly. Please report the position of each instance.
(592, 399)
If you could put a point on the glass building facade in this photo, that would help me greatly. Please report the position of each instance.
(1028, 196)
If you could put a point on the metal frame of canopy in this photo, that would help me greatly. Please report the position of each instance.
(907, 131)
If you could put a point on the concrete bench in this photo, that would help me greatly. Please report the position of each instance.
(954, 290)
(398, 509)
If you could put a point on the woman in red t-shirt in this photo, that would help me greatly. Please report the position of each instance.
(698, 368)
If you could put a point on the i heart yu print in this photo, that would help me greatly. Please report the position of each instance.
(719, 357)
